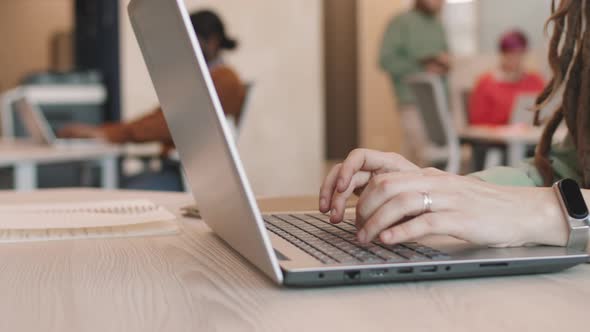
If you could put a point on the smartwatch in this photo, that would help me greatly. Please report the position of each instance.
(576, 212)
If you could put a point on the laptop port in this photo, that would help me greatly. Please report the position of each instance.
(378, 273)
(429, 269)
(352, 275)
(405, 270)
(501, 264)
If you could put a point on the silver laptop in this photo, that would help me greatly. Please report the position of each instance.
(39, 130)
(292, 249)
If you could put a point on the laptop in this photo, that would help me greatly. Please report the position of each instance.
(39, 130)
(524, 104)
(293, 249)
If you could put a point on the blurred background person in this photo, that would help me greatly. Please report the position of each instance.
(414, 42)
(210, 31)
(495, 94)
(152, 127)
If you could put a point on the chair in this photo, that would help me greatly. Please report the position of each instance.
(465, 102)
(249, 88)
(432, 103)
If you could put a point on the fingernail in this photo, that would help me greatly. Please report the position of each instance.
(362, 236)
(322, 203)
(341, 184)
(333, 215)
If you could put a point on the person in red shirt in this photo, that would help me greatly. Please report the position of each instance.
(493, 99)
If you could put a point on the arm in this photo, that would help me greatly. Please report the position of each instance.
(391, 204)
(152, 127)
(149, 128)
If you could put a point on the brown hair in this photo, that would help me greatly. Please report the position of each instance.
(569, 58)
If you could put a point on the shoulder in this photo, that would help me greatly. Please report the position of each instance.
(486, 78)
(401, 19)
(225, 75)
(224, 72)
(535, 78)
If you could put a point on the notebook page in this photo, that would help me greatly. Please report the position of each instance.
(81, 215)
(139, 230)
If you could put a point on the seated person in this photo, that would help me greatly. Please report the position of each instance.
(493, 99)
(152, 127)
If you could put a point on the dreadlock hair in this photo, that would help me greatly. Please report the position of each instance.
(569, 58)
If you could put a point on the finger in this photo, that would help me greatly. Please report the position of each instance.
(421, 226)
(384, 187)
(371, 161)
(399, 209)
(338, 204)
(328, 188)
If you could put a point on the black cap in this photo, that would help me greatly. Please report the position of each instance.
(207, 24)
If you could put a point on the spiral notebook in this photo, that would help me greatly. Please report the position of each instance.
(104, 219)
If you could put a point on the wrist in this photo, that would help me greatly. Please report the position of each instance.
(551, 227)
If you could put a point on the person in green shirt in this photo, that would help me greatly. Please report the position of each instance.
(414, 42)
(500, 207)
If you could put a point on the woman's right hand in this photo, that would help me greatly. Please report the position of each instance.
(393, 205)
(353, 175)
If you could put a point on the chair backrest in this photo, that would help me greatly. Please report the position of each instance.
(465, 104)
(432, 103)
(236, 123)
(239, 121)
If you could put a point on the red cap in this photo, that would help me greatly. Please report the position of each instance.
(513, 41)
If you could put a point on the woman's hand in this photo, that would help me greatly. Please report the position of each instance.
(354, 174)
(79, 130)
(391, 205)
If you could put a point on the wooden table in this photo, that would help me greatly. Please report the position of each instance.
(193, 282)
(516, 138)
(25, 157)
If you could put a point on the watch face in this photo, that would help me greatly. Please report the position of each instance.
(574, 201)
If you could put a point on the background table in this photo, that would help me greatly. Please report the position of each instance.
(193, 282)
(516, 138)
(25, 157)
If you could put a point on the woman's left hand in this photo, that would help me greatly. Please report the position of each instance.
(391, 208)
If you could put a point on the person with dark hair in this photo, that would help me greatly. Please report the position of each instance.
(500, 207)
(493, 98)
(414, 42)
(152, 127)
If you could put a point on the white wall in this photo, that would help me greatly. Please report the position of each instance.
(281, 51)
(498, 16)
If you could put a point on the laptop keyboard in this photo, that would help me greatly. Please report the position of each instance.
(334, 244)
